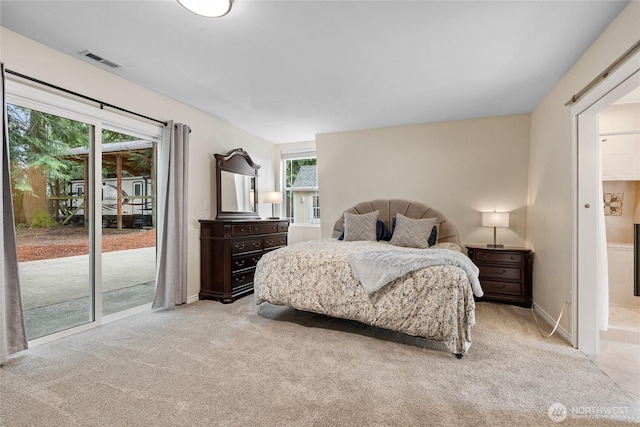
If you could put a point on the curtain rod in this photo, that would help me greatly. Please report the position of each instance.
(97, 101)
(617, 63)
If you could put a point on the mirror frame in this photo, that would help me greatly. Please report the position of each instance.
(236, 161)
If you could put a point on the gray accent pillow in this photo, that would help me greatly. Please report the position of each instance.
(411, 232)
(360, 227)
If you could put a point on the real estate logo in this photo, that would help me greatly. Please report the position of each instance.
(557, 412)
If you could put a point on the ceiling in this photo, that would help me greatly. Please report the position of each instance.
(287, 70)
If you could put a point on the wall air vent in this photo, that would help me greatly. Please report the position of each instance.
(99, 59)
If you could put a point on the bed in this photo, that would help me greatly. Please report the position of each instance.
(388, 284)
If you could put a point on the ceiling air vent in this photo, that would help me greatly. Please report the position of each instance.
(100, 59)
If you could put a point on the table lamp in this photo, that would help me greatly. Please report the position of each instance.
(495, 220)
(275, 198)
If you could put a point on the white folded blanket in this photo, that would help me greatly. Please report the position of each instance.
(376, 268)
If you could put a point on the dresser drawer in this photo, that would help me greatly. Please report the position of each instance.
(283, 227)
(505, 257)
(274, 241)
(264, 228)
(249, 245)
(242, 278)
(245, 261)
(240, 229)
(501, 288)
(498, 272)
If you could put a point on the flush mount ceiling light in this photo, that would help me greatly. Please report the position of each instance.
(208, 8)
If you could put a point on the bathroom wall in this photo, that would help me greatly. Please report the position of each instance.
(619, 127)
(621, 200)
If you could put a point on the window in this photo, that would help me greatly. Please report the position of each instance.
(315, 212)
(300, 183)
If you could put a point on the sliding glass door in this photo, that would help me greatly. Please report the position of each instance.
(84, 205)
(128, 222)
(53, 245)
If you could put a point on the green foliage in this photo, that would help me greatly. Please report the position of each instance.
(42, 219)
(43, 141)
(39, 140)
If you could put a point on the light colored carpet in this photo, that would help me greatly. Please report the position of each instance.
(209, 364)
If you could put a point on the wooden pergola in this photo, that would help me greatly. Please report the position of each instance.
(116, 153)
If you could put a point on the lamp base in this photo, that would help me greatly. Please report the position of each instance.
(493, 245)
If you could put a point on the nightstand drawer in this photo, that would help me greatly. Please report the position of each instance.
(501, 288)
(507, 257)
(497, 272)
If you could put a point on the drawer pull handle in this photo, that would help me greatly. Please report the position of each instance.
(256, 244)
(240, 246)
(239, 279)
(493, 270)
(269, 242)
(255, 259)
(239, 263)
(242, 229)
(501, 286)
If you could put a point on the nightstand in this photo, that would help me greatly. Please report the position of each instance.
(505, 273)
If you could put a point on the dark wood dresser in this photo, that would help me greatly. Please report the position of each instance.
(229, 252)
(505, 273)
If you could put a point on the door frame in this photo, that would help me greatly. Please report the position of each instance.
(587, 171)
(98, 119)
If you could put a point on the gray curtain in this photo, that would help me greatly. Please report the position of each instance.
(13, 337)
(171, 268)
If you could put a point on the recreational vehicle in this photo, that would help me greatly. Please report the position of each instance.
(137, 203)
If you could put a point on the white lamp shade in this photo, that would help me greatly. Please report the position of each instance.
(495, 219)
(274, 197)
(208, 8)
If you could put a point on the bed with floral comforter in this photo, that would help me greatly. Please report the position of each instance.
(435, 302)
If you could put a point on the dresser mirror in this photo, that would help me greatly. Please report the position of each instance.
(236, 185)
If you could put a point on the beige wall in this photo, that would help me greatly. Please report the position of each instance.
(551, 177)
(459, 168)
(209, 135)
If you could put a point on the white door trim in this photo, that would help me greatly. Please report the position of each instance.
(586, 164)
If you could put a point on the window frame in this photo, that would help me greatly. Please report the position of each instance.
(34, 98)
(287, 156)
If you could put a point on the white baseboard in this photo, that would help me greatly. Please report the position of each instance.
(192, 299)
(551, 321)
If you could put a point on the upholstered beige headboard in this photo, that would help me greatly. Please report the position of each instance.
(388, 210)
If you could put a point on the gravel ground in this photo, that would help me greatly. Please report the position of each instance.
(59, 242)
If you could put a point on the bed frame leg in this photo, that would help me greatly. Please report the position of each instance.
(459, 356)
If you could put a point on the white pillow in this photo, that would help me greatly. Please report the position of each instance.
(412, 233)
(360, 227)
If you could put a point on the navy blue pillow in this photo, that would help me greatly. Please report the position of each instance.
(382, 232)
(432, 237)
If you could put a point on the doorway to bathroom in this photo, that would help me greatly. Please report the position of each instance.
(591, 312)
(619, 134)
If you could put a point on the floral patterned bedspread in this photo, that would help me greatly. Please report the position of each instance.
(435, 302)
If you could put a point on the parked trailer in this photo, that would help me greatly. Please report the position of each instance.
(137, 206)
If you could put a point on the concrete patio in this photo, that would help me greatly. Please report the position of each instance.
(55, 292)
